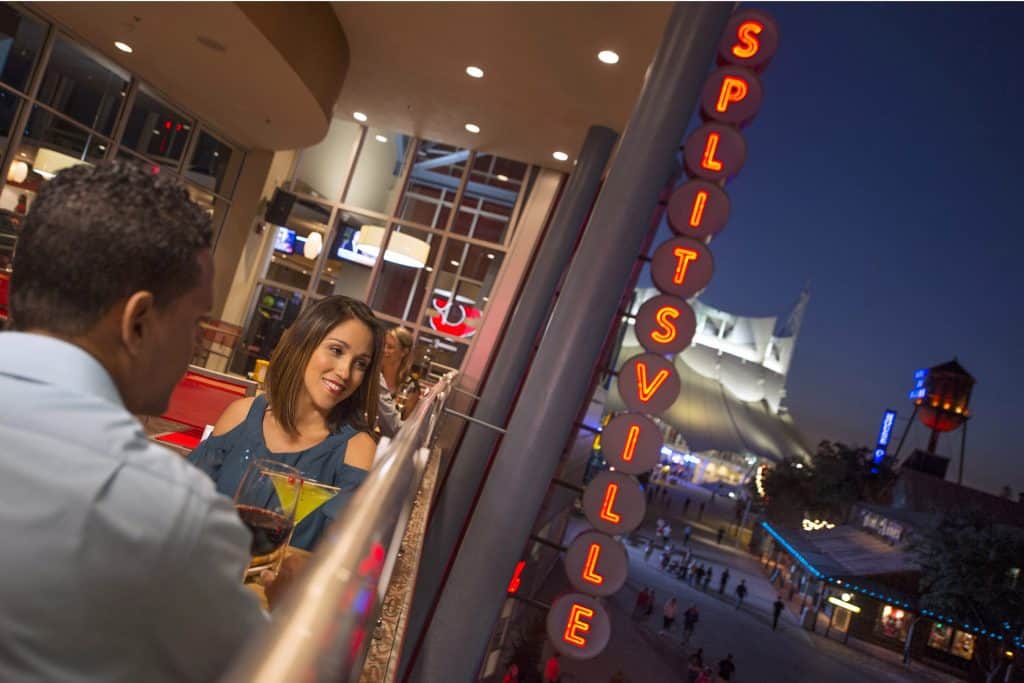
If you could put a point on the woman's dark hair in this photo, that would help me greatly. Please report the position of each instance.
(286, 374)
(97, 234)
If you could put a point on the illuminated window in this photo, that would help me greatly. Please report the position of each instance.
(892, 623)
(940, 636)
(963, 645)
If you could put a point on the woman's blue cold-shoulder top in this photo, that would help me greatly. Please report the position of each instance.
(225, 457)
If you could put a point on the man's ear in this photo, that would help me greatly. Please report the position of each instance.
(137, 321)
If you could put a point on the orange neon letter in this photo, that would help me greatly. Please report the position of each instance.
(684, 257)
(733, 90)
(629, 450)
(710, 147)
(700, 201)
(576, 625)
(588, 569)
(668, 331)
(748, 45)
(607, 514)
(648, 390)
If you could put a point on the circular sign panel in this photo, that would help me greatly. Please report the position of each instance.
(732, 94)
(698, 209)
(715, 151)
(578, 626)
(665, 324)
(614, 503)
(681, 267)
(596, 563)
(648, 383)
(750, 39)
(631, 443)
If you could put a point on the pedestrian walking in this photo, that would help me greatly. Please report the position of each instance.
(699, 578)
(777, 608)
(648, 549)
(726, 668)
(695, 665)
(552, 670)
(687, 532)
(741, 592)
(721, 534)
(650, 604)
(641, 602)
(686, 506)
(668, 616)
(724, 579)
(512, 675)
(707, 578)
(690, 619)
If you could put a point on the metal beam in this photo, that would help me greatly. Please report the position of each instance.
(560, 375)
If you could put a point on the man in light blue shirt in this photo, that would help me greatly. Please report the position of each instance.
(119, 560)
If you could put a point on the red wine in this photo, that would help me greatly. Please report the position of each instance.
(269, 529)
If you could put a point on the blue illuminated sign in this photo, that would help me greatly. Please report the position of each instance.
(919, 391)
(885, 433)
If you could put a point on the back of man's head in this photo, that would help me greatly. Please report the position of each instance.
(97, 234)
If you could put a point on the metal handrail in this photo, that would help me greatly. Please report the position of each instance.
(322, 631)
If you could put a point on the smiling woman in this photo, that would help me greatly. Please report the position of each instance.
(316, 415)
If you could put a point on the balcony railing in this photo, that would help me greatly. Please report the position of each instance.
(346, 618)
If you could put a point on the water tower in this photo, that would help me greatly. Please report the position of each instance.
(941, 397)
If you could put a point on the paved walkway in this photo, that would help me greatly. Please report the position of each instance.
(761, 654)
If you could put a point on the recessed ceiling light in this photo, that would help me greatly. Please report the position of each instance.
(380, 138)
(475, 71)
(490, 256)
(472, 128)
(359, 116)
(123, 47)
(561, 156)
(428, 269)
(454, 263)
(502, 177)
(608, 57)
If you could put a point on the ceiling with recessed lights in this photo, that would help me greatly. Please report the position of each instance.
(543, 84)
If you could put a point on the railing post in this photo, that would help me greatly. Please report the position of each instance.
(541, 424)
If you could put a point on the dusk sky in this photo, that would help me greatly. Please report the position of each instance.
(884, 168)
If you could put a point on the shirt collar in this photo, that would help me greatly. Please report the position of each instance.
(52, 361)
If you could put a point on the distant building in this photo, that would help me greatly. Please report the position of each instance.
(731, 414)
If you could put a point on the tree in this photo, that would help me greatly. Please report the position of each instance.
(971, 571)
(837, 476)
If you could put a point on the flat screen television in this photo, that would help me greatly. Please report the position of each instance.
(284, 241)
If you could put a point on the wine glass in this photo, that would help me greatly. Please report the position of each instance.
(266, 499)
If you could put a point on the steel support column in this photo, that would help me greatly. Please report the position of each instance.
(559, 378)
(455, 502)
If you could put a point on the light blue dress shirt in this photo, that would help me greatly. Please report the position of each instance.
(118, 559)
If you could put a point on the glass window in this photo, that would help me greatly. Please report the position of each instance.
(963, 645)
(940, 636)
(348, 268)
(214, 207)
(157, 131)
(298, 244)
(9, 104)
(490, 197)
(465, 277)
(408, 261)
(275, 310)
(375, 177)
(444, 354)
(21, 38)
(892, 623)
(214, 165)
(322, 168)
(78, 85)
(433, 180)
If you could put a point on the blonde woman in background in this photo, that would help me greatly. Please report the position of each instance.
(396, 380)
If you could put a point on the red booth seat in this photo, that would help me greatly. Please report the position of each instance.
(198, 400)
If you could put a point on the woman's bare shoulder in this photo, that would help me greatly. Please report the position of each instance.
(233, 415)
